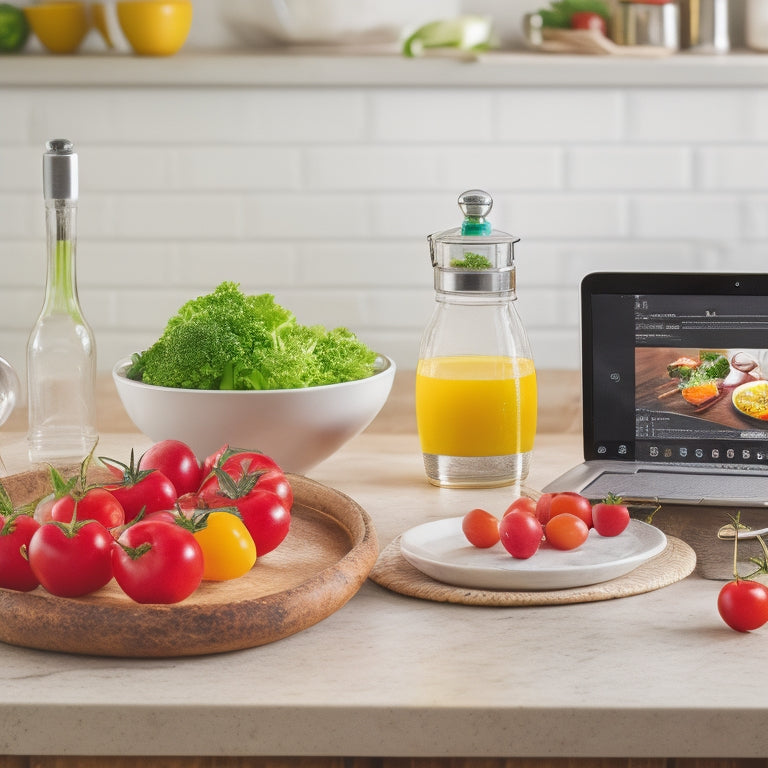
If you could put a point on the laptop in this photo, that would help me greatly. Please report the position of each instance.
(674, 389)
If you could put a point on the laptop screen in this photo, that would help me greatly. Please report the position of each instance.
(675, 368)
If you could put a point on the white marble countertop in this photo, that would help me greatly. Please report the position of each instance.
(656, 674)
(307, 67)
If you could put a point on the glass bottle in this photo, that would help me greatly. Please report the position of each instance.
(476, 395)
(61, 352)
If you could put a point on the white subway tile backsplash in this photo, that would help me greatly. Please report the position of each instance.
(691, 217)
(325, 197)
(361, 263)
(690, 115)
(432, 115)
(734, 168)
(621, 168)
(559, 115)
(561, 215)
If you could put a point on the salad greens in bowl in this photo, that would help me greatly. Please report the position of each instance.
(238, 369)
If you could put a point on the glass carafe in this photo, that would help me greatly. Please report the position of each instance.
(476, 394)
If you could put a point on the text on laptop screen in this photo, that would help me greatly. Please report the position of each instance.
(678, 377)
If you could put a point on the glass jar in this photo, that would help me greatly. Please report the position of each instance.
(61, 351)
(476, 394)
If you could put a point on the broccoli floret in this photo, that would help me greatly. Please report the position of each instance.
(227, 340)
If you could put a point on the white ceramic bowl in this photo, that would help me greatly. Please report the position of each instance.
(331, 22)
(298, 428)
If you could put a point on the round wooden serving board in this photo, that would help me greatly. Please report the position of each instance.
(322, 563)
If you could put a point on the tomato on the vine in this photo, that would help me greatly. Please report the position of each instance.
(610, 517)
(566, 531)
(254, 460)
(16, 530)
(97, 504)
(177, 461)
(520, 534)
(157, 562)
(72, 559)
(743, 604)
(481, 528)
(265, 514)
(228, 549)
(141, 490)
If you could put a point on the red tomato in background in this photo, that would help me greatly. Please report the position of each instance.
(254, 459)
(743, 604)
(157, 562)
(610, 517)
(520, 534)
(566, 531)
(524, 504)
(481, 528)
(572, 503)
(589, 20)
(97, 504)
(71, 560)
(543, 507)
(274, 481)
(16, 530)
(149, 492)
(264, 515)
(177, 461)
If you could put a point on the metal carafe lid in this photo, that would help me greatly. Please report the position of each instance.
(474, 258)
(60, 170)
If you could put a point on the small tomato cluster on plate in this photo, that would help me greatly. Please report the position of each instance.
(160, 527)
(563, 520)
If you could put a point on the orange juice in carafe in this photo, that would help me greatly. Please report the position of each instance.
(475, 405)
(476, 396)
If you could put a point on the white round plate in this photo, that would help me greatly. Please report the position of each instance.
(440, 550)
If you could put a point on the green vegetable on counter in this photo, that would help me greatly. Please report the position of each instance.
(229, 340)
(464, 33)
(14, 28)
(559, 13)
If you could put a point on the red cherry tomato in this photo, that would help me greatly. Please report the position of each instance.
(254, 459)
(264, 515)
(157, 562)
(566, 531)
(573, 503)
(481, 528)
(743, 604)
(524, 504)
(274, 481)
(177, 461)
(544, 506)
(71, 560)
(97, 504)
(16, 530)
(589, 20)
(141, 490)
(610, 517)
(520, 534)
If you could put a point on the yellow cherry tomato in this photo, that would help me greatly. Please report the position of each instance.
(228, 549)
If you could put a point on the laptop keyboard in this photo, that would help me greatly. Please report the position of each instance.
(688, 489)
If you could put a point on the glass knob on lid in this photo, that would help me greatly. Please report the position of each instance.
(474, 257)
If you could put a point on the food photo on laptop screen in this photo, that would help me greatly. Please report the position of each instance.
(674, 388)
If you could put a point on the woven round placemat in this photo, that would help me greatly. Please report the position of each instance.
(395, 573)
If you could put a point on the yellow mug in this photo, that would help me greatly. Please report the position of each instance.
(60, 26)
(151, 27)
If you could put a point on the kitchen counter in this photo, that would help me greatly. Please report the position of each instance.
(310, 67)
(656, 675)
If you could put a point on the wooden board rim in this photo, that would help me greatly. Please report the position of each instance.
(103, 628)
